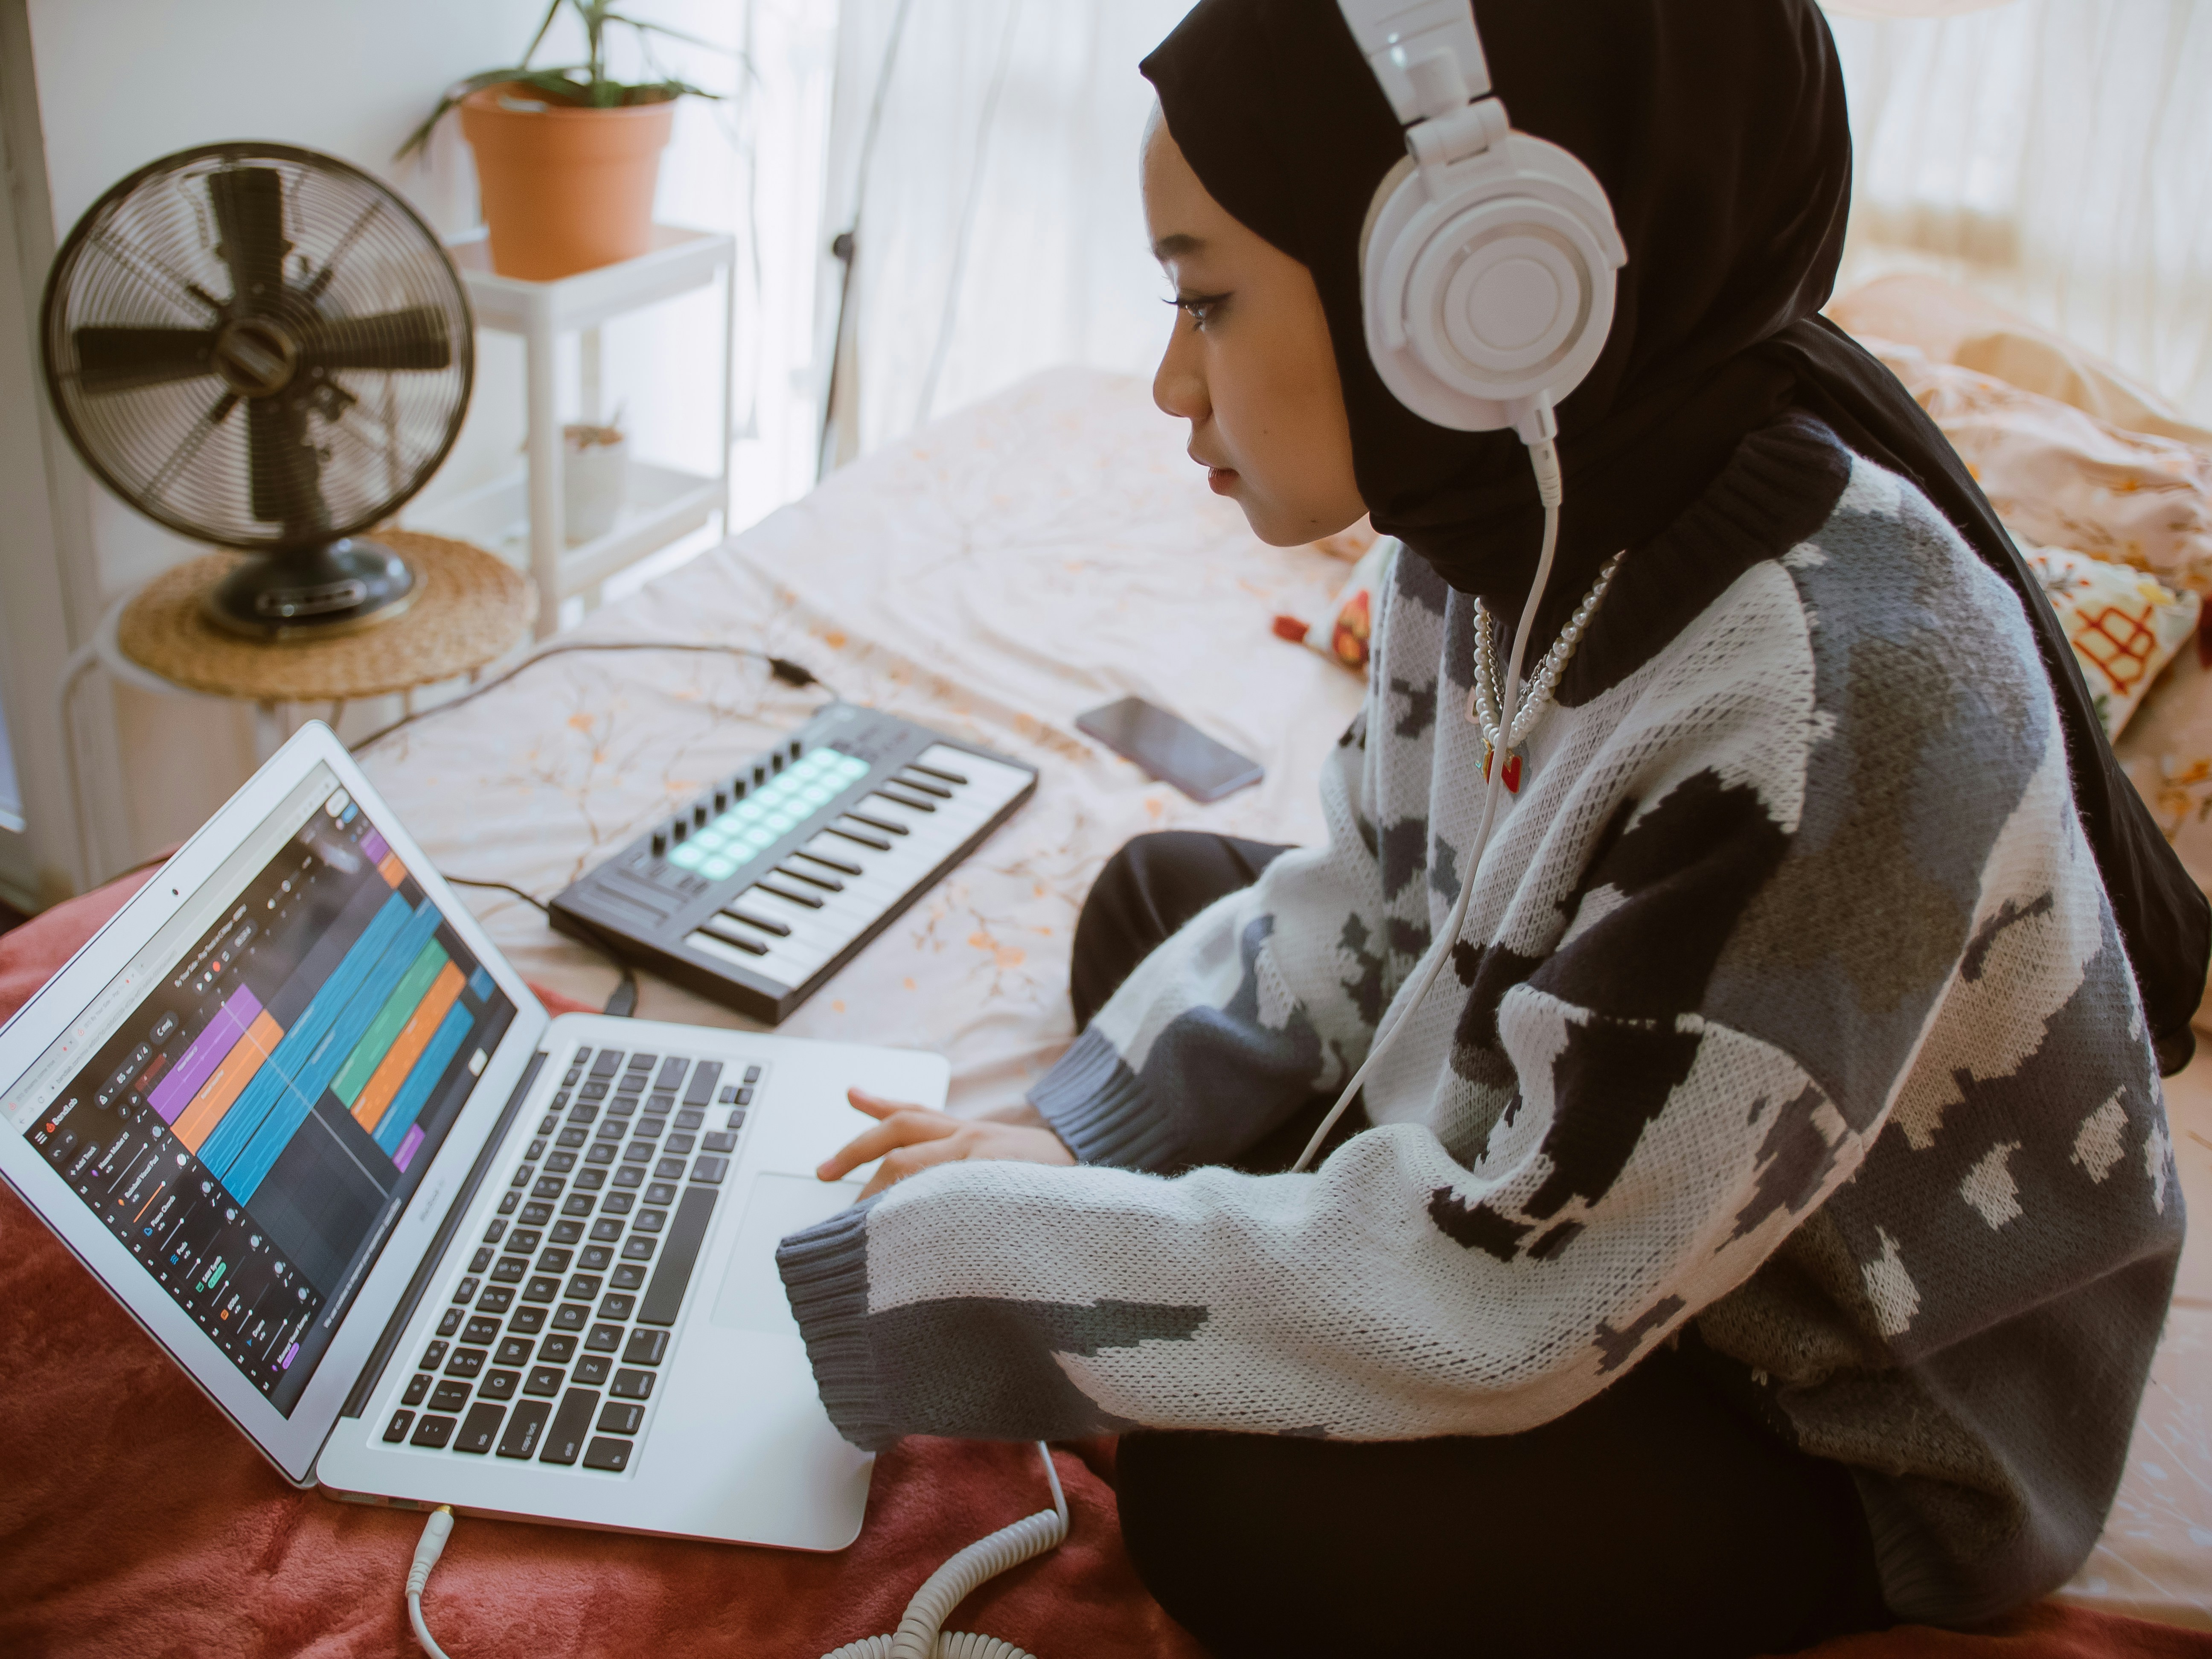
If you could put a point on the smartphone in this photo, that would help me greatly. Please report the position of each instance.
(1171, 749)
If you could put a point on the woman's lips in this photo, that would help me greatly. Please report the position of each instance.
(1220, 479)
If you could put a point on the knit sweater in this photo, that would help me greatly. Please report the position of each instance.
(1789, 1006)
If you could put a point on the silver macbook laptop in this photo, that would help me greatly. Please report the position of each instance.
(423, 1243)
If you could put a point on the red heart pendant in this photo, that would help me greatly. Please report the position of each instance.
(1512, 770)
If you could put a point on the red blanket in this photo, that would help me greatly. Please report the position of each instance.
(134, 1520)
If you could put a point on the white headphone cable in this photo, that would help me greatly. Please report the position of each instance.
(435, 1531)
(1544, 458)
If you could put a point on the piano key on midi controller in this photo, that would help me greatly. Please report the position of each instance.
(770, 882)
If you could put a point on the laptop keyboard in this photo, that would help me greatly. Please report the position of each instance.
(551, 1344)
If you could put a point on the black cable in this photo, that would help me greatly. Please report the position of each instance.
(623, 1001)
(795, 674)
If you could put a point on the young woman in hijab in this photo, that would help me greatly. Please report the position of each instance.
(1761, 1230)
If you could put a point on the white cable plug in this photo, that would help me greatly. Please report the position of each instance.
(921, 1634)
(1544, 458)
(435, 1531)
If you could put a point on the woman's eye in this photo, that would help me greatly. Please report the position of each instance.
(1201, 307)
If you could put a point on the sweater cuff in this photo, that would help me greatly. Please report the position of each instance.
(1098, 1106)
(825, 1274)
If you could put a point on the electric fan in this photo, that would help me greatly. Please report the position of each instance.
(263, 346)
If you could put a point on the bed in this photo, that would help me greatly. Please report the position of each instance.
(1010, 566)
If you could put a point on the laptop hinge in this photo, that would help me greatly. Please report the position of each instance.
(379, 1357)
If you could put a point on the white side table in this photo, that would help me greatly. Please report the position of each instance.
(520, 514)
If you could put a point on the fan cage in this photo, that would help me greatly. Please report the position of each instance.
(151, 397)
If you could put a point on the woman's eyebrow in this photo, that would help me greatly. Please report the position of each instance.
(1175, 245)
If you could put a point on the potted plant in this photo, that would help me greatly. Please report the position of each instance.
(567, 158)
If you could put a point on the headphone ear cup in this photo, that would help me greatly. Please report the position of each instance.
(1488, 284)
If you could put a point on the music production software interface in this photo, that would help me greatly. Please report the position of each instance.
(249, 1105)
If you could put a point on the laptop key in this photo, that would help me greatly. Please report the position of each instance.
(593, 1368)
(396, 1430)
(669, 1168)
(554, 1262)
(451, 1323)
(544, 1380)
(481, 1330)
(710, 1170)
(720, 1141)
(496, 1300)
(567, 1232)
(548, 1186)
(527, 1321)
(507, 1202)
(433, 1356)
(498, 1385)
(646, 1348)
(543, 1288)
(494, 1233)
(615, 1417)
(583, 1286)
(564, 1440)
(606, 1229)
(608, 1454)
(449, 1396)
(434, 1433)
(603, 1338)
(571, 1317)
(478, 1429)
(637, 1249)
(512, 1350)
(615, 1305)
(617, 1203)
(537, 1215)
(416, 1388)
(524, 1426)
(578, 1204)
(465, 1362)
(665, 1296)
(661, 1191)
(557, 1350)
(633, 1385)
(651, 1221)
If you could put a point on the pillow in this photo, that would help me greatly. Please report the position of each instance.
(1342, 628)
(2125, 626)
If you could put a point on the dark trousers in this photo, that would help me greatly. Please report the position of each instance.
(1658, 1518)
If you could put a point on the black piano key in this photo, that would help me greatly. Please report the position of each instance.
(813, 878)
(564, 1440)
(860, 838)
(524, 1425)
(883, 825)
(663, 1298)
(764, 923)
(730, 935)
(923, 787)
(953, 778)
(840, 865)
(790, 896)
(912, 803)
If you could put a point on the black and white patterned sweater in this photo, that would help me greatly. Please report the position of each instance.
(1789, 1006)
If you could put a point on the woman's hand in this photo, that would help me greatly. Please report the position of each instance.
(910, 1139)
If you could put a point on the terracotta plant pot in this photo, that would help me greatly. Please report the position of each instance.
(565, 189)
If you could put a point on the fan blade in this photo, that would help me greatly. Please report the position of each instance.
(249, 219)
(116, 359)
(417, 338)
(282, 470)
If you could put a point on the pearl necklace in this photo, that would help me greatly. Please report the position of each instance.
(1489, 692)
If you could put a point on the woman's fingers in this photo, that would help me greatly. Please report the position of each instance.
(913, 1159)
(901, 1126)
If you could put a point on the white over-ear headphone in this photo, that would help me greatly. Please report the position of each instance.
(1487, 270)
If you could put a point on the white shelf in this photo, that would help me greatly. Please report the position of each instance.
(662, 504)
(519, 515)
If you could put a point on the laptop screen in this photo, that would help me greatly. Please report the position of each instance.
(250, 1103)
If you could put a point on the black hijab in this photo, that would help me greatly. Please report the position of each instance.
(1718, 131)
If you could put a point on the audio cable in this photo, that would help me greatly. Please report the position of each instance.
(1541, 433)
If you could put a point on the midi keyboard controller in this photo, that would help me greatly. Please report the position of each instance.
(771, 881)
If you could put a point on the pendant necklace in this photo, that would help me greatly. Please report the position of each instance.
(1489, 692)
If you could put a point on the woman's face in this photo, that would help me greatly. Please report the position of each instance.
(1250, 365)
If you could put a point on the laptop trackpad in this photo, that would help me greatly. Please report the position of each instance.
(752, 1297)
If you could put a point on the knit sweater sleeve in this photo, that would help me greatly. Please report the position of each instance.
(1264, 999)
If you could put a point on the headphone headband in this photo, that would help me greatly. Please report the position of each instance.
(1395, 35)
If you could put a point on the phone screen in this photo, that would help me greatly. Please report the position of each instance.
(1171, 749)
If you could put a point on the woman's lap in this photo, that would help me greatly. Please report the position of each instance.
(1654, 1517)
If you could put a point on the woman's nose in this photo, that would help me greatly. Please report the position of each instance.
(1179, 384)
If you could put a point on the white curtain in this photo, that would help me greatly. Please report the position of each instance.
(1000, 228)
(2055, 155)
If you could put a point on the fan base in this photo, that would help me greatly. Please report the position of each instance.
(316, 593)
